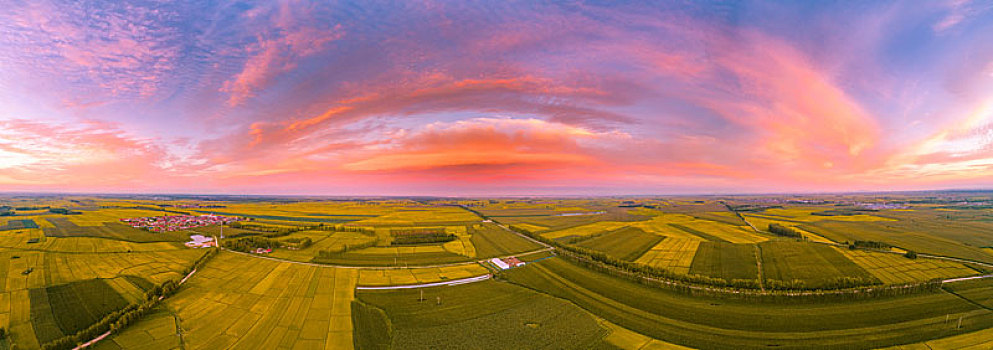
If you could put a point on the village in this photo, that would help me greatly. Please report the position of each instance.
(178, 222)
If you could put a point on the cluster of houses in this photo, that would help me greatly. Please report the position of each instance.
(178, 222)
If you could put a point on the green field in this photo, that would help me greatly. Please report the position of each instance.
(63, 227)
(728, 324)
(816, 265)
(499, 315)
(627, 243)
(725, 260)
(359, 258)
(490, 241)
(68, 308)
(18, 225)
(979, 291)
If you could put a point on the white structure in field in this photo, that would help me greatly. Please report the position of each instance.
(507, 263)
(199, 241)
(499, 263)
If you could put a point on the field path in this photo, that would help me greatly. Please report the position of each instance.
(758, 261)
(435, 284)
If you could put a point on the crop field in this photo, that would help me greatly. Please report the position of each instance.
(979, 291)
(246, 303)
(931, 242)
(894, 268)
(490, 240)
(18, 225)
(817, 265)
(392, 277)
(586, 230)
(156, 330)
(22, 240)
(627, 243)
(673, 254)
(725, 260)
(422, 216)
(531, 227)
(70, 270)
(322, 240)
(393, 256)
(126, 274)
(701, 322)
(500, 315)
(762, 223)
(68, 308)
(807, 215)
(63, 227)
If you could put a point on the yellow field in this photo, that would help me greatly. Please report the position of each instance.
(630, 340)
(660, 225)
(392, 277)
(156, 330)
(673, 254)
(246, 303)
(411, 216)
(400, 250)
(731, 233)
(586, 230)
(462, 246)
(893, 268)
(762, 223)
(322, 240)
(531, 227)
(57, 268)
(99, 217)
(804, 214)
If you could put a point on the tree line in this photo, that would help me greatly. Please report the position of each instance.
(784, 231)
(118, 320)
(843, 288)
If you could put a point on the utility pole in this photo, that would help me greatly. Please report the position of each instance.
(439, 300)
(960, 323)
(422, 296)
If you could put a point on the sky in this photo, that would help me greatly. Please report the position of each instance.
(495, 98)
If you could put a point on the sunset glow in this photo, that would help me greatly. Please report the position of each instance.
(458, 98)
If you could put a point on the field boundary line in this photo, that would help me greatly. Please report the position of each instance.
(426, 285)
(386, 267)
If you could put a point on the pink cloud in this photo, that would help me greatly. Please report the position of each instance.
(277, 50)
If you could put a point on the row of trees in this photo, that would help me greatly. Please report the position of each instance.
(120, 319)
(869, 245)
(298, 243)
(250, 243)
(433, 237)
(341, 249)
(843, 288)
(784, 231)
(271, 231)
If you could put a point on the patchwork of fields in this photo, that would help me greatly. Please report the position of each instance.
(246, 303)
(61, 273)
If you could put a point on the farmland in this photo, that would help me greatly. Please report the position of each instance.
(674, 254)
(725, 260)
(815, 265)
(723, 324)
(501, 316)
(327, 281)
(627, 243)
